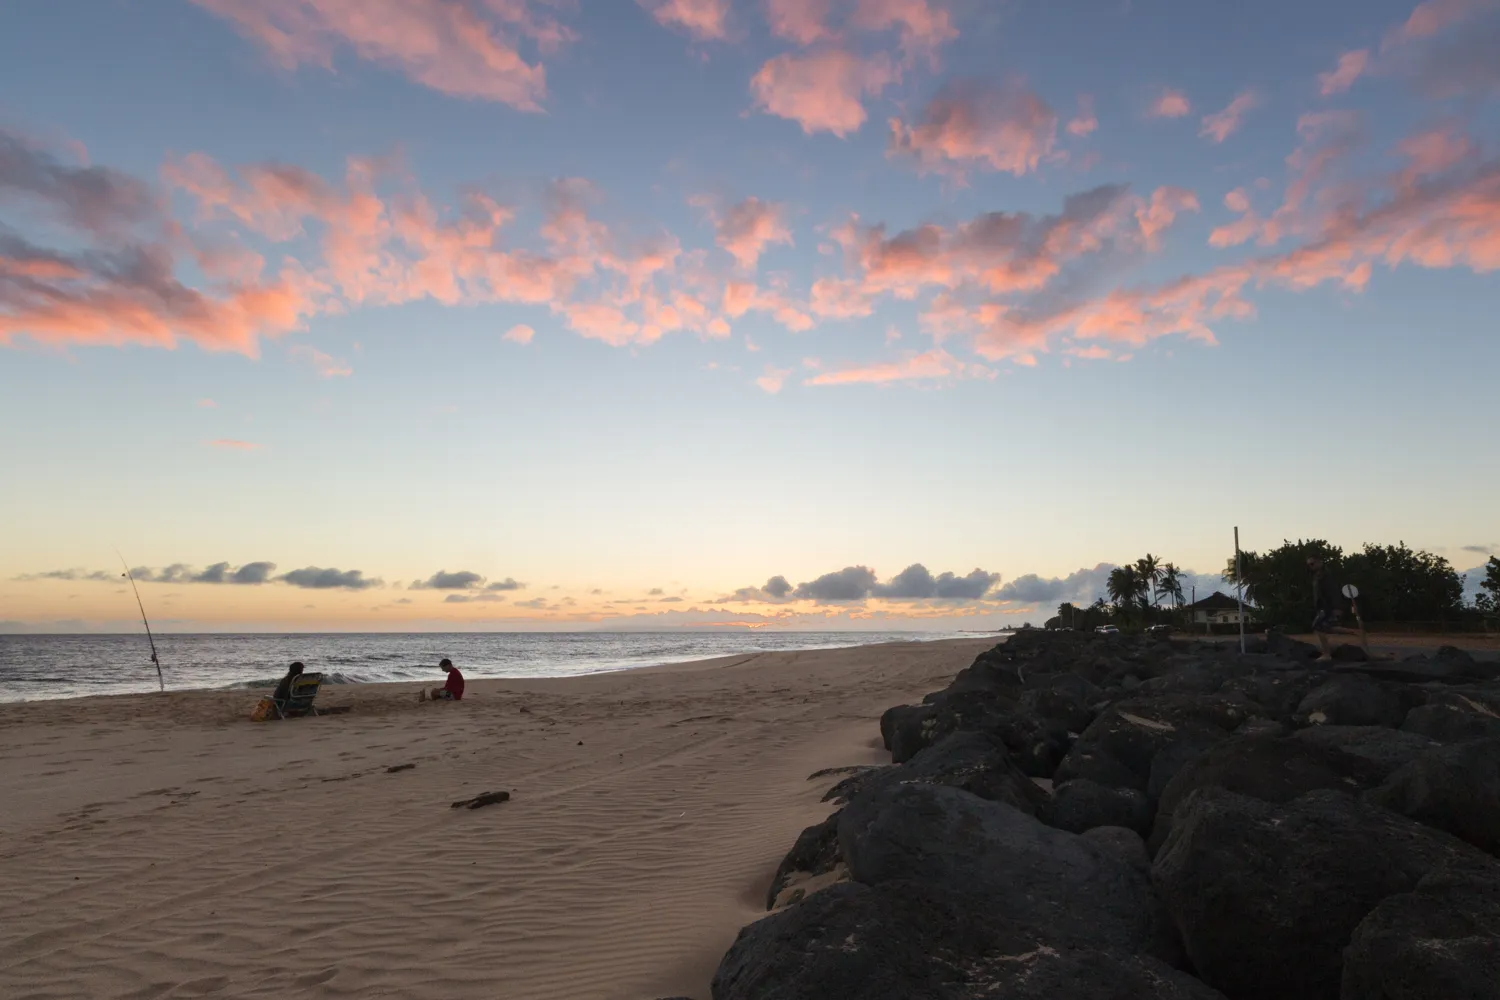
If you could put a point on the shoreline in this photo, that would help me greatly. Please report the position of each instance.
(167, 843)
(345, 674)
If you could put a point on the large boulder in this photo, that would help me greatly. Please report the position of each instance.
(1076, 891)
(1456, 716)
(910, 941)
(1279, 692)
(1266, 896)
(1352, 701)
(1066, 699)
(1082, 804)
(1454, 788)
(976, 762)
(1118, 747)
(813, 861)
(1270, 769)
(1387, 749)
(1438, 942)
(1037, 744)
(1191, 742)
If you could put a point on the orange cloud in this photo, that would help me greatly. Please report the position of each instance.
(800, 21)
(230, 444)
(750, 226)
(705, 20)
(928, 366)
(1222, 124)
(1351, 66)
(822, 91)
(519, 334)
(1008, 129)
(1085, 122)
(1170, 104)
(457, 48)
(325, 365)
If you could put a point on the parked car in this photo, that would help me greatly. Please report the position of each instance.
(1159, 631)
(1107, 630)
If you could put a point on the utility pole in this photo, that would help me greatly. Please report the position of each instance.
(1239, 585)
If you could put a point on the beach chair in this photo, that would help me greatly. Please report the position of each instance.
(299, 700)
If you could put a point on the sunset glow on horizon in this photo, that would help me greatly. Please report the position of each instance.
(881, 314)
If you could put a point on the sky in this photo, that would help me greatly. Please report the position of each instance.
(577, 314)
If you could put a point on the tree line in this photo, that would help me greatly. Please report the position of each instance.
(1396, 584)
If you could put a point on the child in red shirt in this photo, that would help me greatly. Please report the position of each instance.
(453, 690)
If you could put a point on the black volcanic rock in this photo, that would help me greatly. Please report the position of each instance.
(1267, 896)
(1352, 701)
(1438, 942)
(911, 941)
(1271, 769)
(1081, 805)
(1118, 748)
(1454, 788)
(1074, 890)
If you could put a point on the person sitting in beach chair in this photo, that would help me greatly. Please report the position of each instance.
(453, 690)
(295, 694)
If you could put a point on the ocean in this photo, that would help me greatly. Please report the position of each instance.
(36, 667)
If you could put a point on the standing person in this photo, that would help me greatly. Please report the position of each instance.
(453, 690)
(1326, 607)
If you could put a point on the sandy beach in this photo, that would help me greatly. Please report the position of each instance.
(165, 846)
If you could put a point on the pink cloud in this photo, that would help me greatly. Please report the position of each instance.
(925, 26)
(1351, 66)
(1157, 215)
(773, 379)
(750, 226)
(230, 444)
(1094, 352)
(1222, 124)
(800, 21)
(1007, 129)
(117, 283)
(519, 334)
(1085, 122)
(1435, 16)
(822, 91)
(704, 20)
(928, 366)
(325, 365)
(456, 47)
(207, 404)
(741, 297)
(1170, 104)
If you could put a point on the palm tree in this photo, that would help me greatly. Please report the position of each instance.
(1171, 584)
(1148, 571)
(1123, 585)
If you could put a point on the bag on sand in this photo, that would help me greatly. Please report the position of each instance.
(263, 710)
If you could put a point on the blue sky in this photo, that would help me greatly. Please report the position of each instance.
(643, 303)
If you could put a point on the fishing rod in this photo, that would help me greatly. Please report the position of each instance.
(161, 684)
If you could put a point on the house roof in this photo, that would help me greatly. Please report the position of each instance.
(1217, 602)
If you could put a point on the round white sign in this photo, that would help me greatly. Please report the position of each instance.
(1351, 591)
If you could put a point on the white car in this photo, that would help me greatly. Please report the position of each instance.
(1107, 630)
